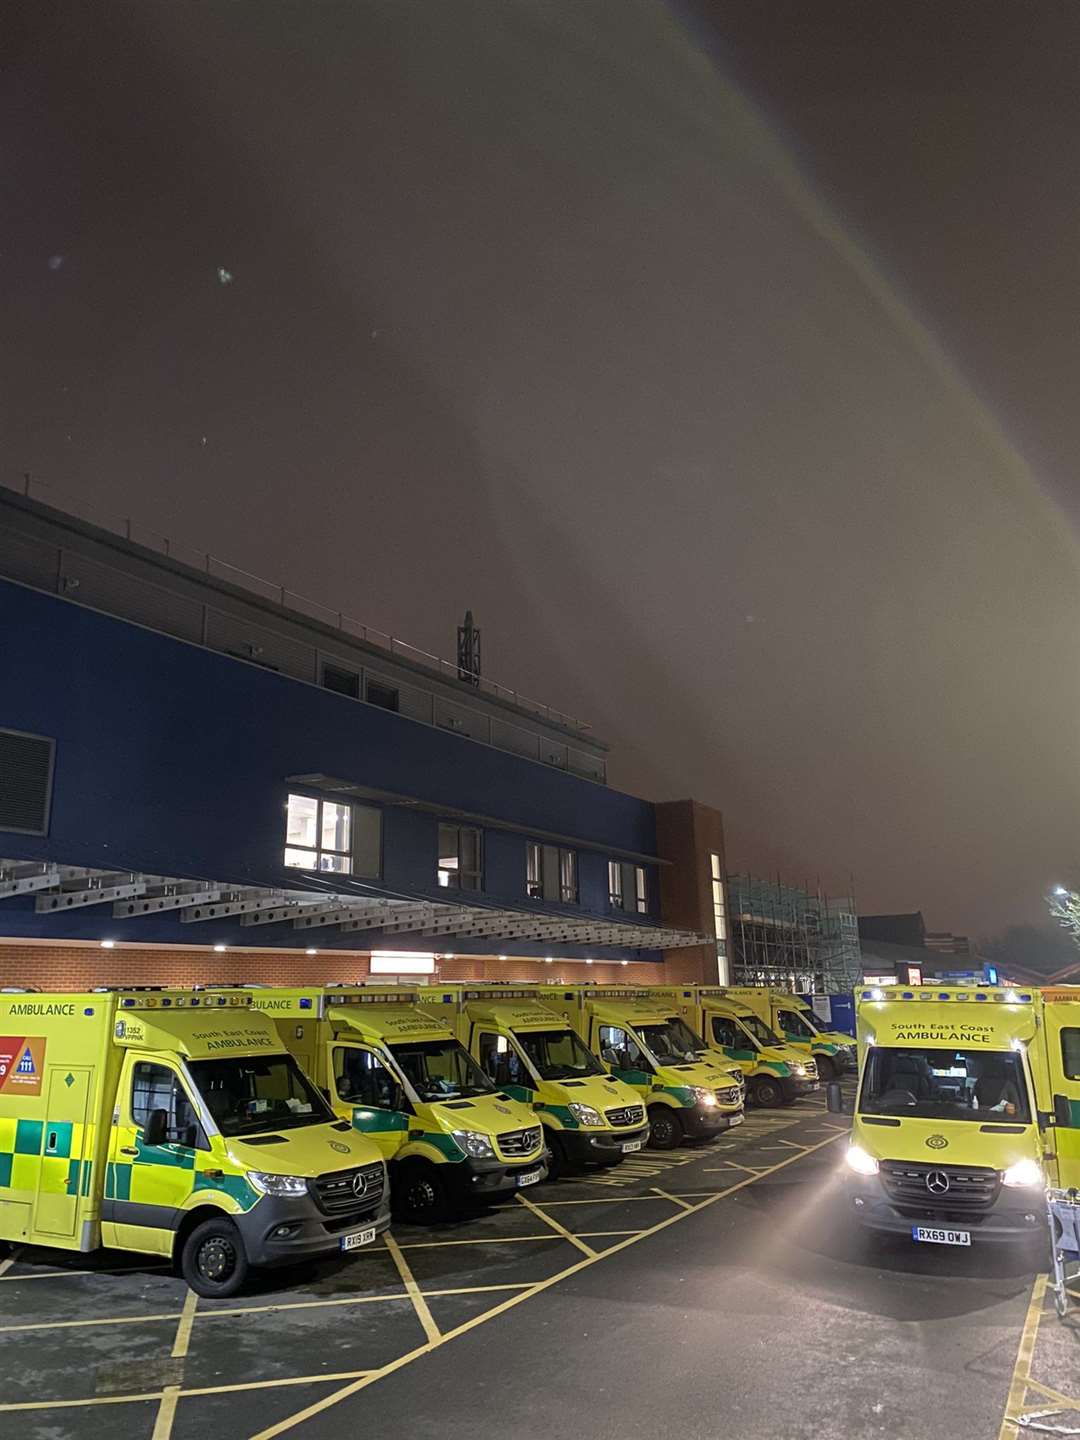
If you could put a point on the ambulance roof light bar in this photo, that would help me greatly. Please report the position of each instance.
(957, 993)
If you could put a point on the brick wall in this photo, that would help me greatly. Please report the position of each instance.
(81, 967)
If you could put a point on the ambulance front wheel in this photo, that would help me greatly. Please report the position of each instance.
(213, 1260)
(826, 1069)
(666, 1128)
(420, 1194)
(766, 1092)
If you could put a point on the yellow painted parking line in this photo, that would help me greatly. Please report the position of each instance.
(1064, 1402)
(750, 1169)
(317, 1407)
(601, 1234)
(57, 1274)
(793, 1144)
(1022, 1369)
(597, 1200)
(490, 1240)
(675, 1200)
(420, 1305)
(183, 1330)
(559, 1229)
(5, 1265)
(85, 1400)
(166, 1413)
(101, 1320)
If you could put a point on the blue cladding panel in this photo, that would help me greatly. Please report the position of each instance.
(172, 759)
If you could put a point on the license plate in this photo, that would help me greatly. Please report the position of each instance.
(630, 1146)
(358, 1238)
(531, 1177)
(816, 1085)
(736, 1119)
(940, 1237)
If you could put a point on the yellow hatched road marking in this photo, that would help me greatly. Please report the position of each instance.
(183, 1330)
(750, 1169)
(420, 1305)
(559, 1229)
(1022, 1368)
(1065, 1402)
(166, 1414)
(347, 1390)
(675, 1200)
(6, 1265)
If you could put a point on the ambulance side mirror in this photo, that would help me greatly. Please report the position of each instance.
(156, 1127)
(1063, 1111)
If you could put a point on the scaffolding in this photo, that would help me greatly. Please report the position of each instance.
(792, 937)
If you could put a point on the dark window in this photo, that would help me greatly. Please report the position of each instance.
(385, 696)
(157, 1087)
(1070, 1053)
(727, 1033)
(26, 772)
(362, 1079)
(551, 873)
(342, 682)
(944, 1084)
(620, 1049)
(460, 857)
(501, 1062)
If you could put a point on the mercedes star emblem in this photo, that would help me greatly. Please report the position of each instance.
(937, 1182)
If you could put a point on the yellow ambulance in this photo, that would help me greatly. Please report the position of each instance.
(968, 1106)
(645, 1045)
(775, 1073)
(399, 1076)
(174, 1123)
(792, 1020)
(534, 1054)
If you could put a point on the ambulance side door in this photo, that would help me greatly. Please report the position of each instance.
(1062, 1029)
(732, 1039)
(499, 1059)
(367, 1090)
(151, 1169)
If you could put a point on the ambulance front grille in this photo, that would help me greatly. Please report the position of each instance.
(951, 1188)
(626, 1115)
(520, 1142)
(729, 1097)
(350, 1190)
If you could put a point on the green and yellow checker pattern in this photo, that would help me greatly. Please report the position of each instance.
(45, 1157)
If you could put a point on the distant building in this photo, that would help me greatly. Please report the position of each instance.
(791, 937)
(946, 943)
(894, 929)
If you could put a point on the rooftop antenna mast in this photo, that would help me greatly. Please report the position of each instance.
(468, 650)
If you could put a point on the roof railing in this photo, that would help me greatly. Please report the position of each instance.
(213, 566)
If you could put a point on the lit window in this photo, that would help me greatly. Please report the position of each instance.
(332, 836)
(460, 857)
(641, 894)
(534, 871)
(568, 891)
(718, 909)
(614, 880)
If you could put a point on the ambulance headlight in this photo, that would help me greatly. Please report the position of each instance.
(703, 1097)
(799, 1070)
(277, 1184)
(472, 1143)
(1024, 1173)
(585, 1114)
(860, 1161)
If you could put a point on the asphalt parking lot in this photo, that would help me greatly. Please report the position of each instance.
(710, 1290)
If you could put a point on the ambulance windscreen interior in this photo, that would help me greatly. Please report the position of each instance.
(558, 1054)
(246, 1095)
(945, 1084)
(441, 1070)
(672, 1043)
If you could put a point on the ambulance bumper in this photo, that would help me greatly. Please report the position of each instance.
(700, 1123)
(791, 1087)
(583, 1146)
(280, 1230)
(1014, 1216)
(484, 1179)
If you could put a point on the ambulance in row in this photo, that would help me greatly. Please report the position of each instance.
(967, 1108)
(794, 1022)
(648, 1048)
(732, 1033)
(533, 1053)
(395, 1071)
(177, 1124)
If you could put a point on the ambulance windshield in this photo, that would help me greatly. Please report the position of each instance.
(797, 1023)
(441, 1070)
(936, 1084)
(558, 1054)
(672, 1043)
(251, 1094)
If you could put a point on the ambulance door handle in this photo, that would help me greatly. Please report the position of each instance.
(128, 1150)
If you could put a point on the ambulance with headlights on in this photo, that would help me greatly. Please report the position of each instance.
(733, 1033)
(534, 1054)
(968, 1107)
(649, 1048)
(398, 1075)
(174, 1123)
(793, 1021)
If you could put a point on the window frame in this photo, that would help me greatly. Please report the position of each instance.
(179, 1089)
(454, 876)
(318, 850)
(564, 861)
(332, 667)
(1069, 1030)
(615, 885)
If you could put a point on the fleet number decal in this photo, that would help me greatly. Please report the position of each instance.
(22, 1064)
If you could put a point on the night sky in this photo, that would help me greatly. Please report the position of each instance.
(723, 358)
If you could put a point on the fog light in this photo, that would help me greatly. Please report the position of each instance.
(859, 1202)
(285, 1232)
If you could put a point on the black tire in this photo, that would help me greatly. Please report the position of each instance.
(826, 1068)
(420, 1194)
(667, 1128)
(766, 1092)
(213, 1260)
(559, 1164)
